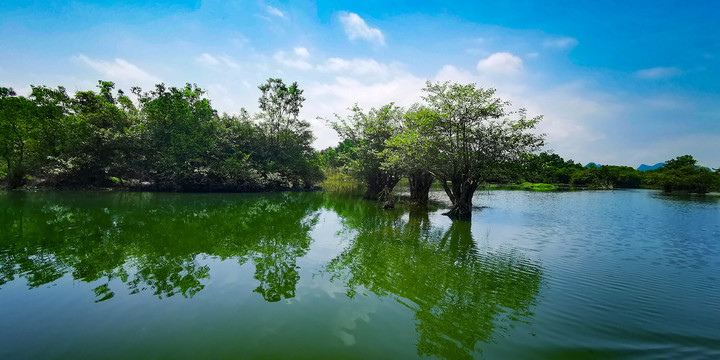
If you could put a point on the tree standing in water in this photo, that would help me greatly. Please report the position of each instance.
(369, 132)
(464, 137)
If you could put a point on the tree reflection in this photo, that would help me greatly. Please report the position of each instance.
(461, 296)
(153, 242)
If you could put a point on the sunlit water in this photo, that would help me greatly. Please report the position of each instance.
(576, 275)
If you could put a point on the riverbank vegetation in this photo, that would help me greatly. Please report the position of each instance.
(458, 137)
(168, 139)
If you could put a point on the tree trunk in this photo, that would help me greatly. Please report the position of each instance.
(461, 196)
(377, 183)
(420, 183)
(374, 187)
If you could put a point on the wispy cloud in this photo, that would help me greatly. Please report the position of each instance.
(356, 28)
(209, 60)
(275, 12)
(657, 73)
(298, 61)
(118, 70)
(500, 63)
(560, 43)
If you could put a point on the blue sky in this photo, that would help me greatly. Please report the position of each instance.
(617, 83)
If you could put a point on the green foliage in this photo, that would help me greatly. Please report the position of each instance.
(684, 161)
(462, 136)
(549, 168)
(281, 105)
(682, 174)
(173, 140)
(17, 135)
(366, 135)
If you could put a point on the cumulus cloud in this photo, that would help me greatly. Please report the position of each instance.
(658, 73)
(296, 61)
(334, 97)
(356, 28)
(275, 12)
(119, 70)
(560, 43)
(357, 67)
(301, 52)
(500, 63)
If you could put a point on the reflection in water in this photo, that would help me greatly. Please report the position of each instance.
(159, 244)
(151, 242)
(460, 295)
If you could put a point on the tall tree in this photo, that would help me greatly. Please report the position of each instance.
(288, 152)
(17, 117)
(369, 132)
(464, 138)
(181, 135)
(281, 105)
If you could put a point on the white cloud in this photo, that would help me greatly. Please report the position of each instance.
(297, 62)
(453, 74)
(275, 12)
(500, 63)
(336, 96)
(658, 73)
(209, 60)
(301, 52)
(356, 28)
(560, 43)
(229, 61)
(532, 55)
(357, 67)
(119, 70)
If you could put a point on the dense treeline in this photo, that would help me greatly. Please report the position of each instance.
(168, 139)
(460, 136)
(681, 174)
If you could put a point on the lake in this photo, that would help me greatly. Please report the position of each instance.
(535, 275)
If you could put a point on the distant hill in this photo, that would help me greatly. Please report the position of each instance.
(592, 164)
(644, 167)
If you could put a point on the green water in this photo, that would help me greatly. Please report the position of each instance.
(579, 275)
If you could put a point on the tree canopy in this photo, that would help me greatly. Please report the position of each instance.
(463, 136)
(169, 138)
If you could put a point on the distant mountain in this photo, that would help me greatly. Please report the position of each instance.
(644, 167)
(592, 164)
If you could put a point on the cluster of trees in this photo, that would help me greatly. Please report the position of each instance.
(168, 139)
(682, 173)
(460, 135)
(172, 139)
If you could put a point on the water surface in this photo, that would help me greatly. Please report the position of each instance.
(624, 274)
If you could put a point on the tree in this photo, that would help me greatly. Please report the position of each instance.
(369, 132)
(281, 105)
(17, 118)
(681, 162)
(99, 141)
(288, 151)
(181, 134)
(411, 163)
(464, 138)
(683, 174)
